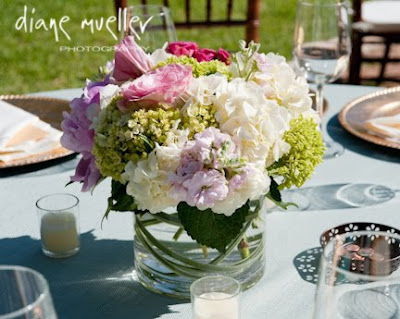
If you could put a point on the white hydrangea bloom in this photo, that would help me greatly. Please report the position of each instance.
(158, 56)
(256, 185)
(256, 124)
(107, 94)
(148, 179)
(280, 82)
(203, 89)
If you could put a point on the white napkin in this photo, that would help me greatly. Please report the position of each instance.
(388, 126)
(23, 134)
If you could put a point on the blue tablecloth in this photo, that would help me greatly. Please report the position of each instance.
(97, 283)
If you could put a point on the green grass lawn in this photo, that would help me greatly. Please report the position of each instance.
(32, 62)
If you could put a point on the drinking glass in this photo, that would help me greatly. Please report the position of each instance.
(59, 224)
(151, 25)
(322, 49)
(215, 297)
(24, 294)
(359, 276)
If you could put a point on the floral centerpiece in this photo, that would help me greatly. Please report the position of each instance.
(194, 140)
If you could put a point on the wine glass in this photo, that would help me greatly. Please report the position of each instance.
(24, 293)
(151, 25)
(322, 49)
(359, 276)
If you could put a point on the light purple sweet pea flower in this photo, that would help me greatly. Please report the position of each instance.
(212, 137)
(87, 172)
(91, 93)
(238, 180)
(205, 188)
(210, 167)
(130, 60)
(165, 85)
(188, 167)
(79, 135)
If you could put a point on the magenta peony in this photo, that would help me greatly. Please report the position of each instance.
(223, 56)
(205, 55)
(163, 85)
(130, 60)
(183, 48)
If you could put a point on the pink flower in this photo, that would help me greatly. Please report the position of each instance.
(209, 168)
(130, 60)
(86, 172)
(165, 84)
(205, 188)
(79, 136)
(182, 48)
(223, 56)
(205, 55)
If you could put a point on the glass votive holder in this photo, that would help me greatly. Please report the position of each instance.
(59, 224)
(215, 297)
(24, 293)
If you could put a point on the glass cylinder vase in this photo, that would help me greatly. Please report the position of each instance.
(168, 260)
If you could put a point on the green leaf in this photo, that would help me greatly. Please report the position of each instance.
(281, 204)
(211, 229)
(119, 200)
(69, 183)
(148, 143)
(274, 191)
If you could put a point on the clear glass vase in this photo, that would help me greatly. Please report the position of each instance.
(167, 260)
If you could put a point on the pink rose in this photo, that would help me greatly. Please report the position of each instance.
(130, 60)
(165, 84)
(205, 55)
(223, 56)
(182, 48)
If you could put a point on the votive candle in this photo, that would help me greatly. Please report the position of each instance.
(59, 227)
(215, 297)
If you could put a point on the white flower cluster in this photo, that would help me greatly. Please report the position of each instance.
(148, 179)
(254, 109)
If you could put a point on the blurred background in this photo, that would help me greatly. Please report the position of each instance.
(34, 61)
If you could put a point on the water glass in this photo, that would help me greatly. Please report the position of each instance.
(24, 294)
(151, 26)
(59, 224)
(359, 276)
(321, 49)
(215, 297)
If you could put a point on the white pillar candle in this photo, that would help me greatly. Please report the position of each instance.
(216, 305)
(59, 232)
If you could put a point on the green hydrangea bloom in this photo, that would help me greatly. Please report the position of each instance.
(306, 152)
(198, 118)
(123, 137)
(199, 68)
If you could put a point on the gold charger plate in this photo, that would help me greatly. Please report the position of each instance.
(378, 104)
(50, 111)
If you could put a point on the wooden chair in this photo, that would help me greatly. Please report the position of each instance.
(374, 22)
(251, 23)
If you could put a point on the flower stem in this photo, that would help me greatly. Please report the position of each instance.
(178, 233)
